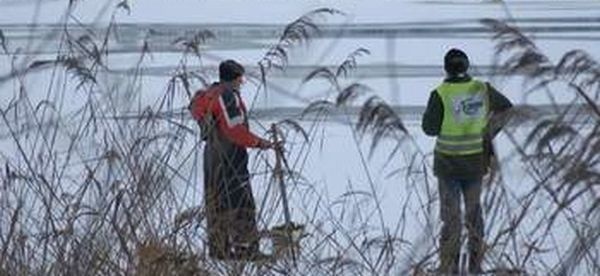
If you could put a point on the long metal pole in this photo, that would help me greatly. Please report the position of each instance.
(279, 174)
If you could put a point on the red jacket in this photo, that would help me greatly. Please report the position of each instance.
(227, 108)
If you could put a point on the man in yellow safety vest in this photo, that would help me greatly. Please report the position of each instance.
(458, 113)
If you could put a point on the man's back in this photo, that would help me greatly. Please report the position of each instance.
(459, 166)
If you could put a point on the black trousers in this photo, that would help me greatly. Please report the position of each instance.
(229, 203)
(450, 191)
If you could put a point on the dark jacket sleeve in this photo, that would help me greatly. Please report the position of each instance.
(498, 102)
(434, 114)
(499, 105)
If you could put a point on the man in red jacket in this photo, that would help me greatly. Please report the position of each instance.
(229, 203)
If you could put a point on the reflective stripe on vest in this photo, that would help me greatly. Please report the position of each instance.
(466, 107)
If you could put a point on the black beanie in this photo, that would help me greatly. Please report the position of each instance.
(456, 62)
(229, 70)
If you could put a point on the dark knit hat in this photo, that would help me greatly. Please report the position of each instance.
(229, 70)
(456, 62)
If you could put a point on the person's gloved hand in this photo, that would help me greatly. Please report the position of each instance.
(264, 144)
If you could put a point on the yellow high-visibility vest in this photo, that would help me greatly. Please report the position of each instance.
(466, 108)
